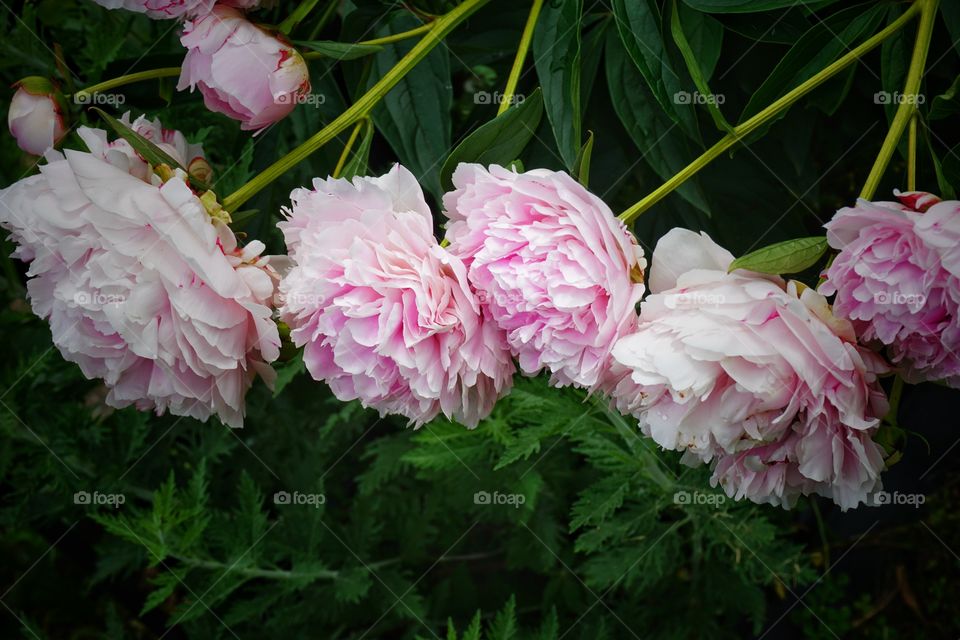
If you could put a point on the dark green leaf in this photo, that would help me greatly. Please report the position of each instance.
(781, 27)
(498, 141)
(790, 256)
(340, 50)
(591, 51)
(659, 141)
(946, 189)
(895, 55)
(583, 160)
(947, 103)
(707, 44)
(820, 46)
(705, 35)
(951, 172)
(414, 116)
(751, 6)
(638, 22)
(556, 50)
(950, 11)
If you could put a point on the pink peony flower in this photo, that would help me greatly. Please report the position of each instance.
(383, 312)
(35, 117)
(140, 286)
(241, 70)
(896, 279)
(752, 374)
(555, 268)
(165, 9)
(161, 9)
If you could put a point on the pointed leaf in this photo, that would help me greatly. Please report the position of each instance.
(150, 152)
(639, 25)
(498, 141)
(693, 59)
(790, 256)
(752, 6)
(556, 52)
(582, 173)
(340, 50)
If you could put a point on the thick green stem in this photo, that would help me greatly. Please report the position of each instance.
(301, 12)
(752, 124)
(908, 99)
(438, 30)
(106, 85)
(521, 57)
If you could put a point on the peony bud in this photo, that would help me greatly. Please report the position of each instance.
(242, 71)
(36, 117)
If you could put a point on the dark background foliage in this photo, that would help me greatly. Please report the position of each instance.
(400, 548)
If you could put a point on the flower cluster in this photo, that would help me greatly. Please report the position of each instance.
(560, 274)
(756, 376)
(141, 287)
(384, 312)
(241, 69)
(896, 278)
(753, 374)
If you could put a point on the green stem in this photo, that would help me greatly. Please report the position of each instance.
(396, 37)
(752, 124)
(908, 100)
(302, 11)
(439, 29)
(403, 35)
(912, 152)
(346, 148)
(106, 85)
(521, 57)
